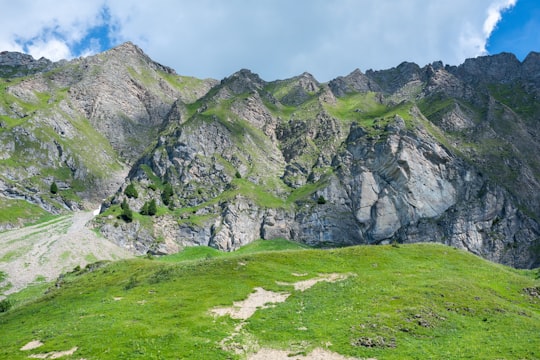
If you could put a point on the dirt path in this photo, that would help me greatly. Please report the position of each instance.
(44, 251)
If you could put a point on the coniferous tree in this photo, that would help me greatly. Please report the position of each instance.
(152, 207)
(131, 192)
(127, 214)
(167, 193)
(54, 188)
(124, 205)
(144, 209)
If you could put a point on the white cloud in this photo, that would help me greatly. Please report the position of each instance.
(45, 27)
(51, 49)
(275, 38)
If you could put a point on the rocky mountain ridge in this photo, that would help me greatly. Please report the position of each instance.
(409, 154)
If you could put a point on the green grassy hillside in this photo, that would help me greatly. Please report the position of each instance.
(421, 301)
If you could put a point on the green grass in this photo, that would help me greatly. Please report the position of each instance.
(426, 301)
(357, 106)
(281, 88)
(518, 98)
(205, 252)
(258, 193)
(269, 245)
(20, 211)
(192, 253)
(369, 112)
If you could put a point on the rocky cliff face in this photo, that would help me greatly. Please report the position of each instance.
(409, 154)
(79, 124)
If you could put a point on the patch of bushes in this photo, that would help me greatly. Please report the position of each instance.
(131, 192)
(149, 208)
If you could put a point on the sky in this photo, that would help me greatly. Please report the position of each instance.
(277, 39)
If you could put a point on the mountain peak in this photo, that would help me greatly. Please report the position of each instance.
(130, 49)
(356, 81)
(308, 82)
(392, 79)
(16, 64)
(531, 66)
(128, 52)
(243, 81)
(500, 67)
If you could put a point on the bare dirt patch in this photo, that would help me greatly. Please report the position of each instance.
(257, 300)
(54, 354)
(34, 344)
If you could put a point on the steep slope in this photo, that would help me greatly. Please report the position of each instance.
(409, 154)
(78, 123)
(384, 302)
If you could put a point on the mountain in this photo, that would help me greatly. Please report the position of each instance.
(410, 154)
(80, 124)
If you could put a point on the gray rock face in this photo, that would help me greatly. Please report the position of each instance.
(353, 83)
(14, 64)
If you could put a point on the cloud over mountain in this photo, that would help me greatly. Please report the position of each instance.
(211, 38)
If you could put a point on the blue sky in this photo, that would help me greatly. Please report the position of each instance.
(275, 38)
(518, 31)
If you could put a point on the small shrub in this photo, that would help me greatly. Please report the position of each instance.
(132, 282)
(131, 192)
(54, 188)
(5, 305)
(163, 274)
(238, 175)
(321, 200)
